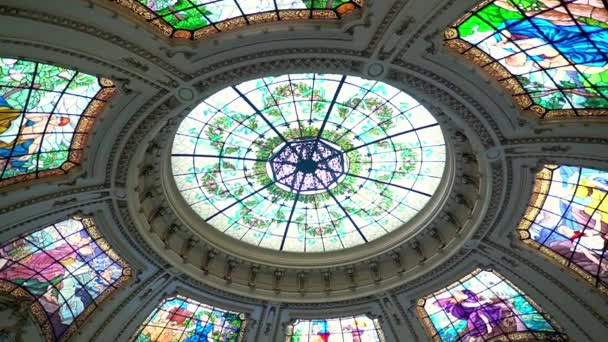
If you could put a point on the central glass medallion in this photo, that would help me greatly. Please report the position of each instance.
(307, 166)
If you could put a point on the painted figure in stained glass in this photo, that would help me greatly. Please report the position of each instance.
(483, 306)
(181, 319)
(308, 163)
(555, 53)
(354, 329)
(65, 267)
(194, 19)
(45, 113)
(569, 215)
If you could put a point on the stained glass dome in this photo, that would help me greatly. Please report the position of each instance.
(308, 163)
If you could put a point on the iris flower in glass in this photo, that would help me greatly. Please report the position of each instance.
(308, 162)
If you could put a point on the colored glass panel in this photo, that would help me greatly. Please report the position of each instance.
(567, 220)
(484, 306)
(46, 113)
(67, 268)
(181, 319)
(551, 55)
(308, 162)
(345, 329)
(193, 19)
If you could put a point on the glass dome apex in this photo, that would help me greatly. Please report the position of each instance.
(308, 162)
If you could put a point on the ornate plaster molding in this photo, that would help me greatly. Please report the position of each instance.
(215, 264)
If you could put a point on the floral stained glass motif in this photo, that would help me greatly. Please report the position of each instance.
(345, 329)
(181, 319)
(308, 162)
(551, 55)
(483, 306)
(46, 112)
(68, 269)
(194, 19)
(567, 220)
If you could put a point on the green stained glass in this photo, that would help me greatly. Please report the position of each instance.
(308, 162)
(551, 55)
(193, 19)
(46, 113)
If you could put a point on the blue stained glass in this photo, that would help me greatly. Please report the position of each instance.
(552, 55)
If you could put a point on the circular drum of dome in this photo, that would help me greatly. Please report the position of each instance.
(308, 162)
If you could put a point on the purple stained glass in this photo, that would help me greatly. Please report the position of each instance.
(67, 269)
(309, 165)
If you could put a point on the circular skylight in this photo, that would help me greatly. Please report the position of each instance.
(308, 163)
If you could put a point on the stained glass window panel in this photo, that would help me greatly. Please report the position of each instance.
(193, 19)
(181, 319)
(567, 220)
(67, 268)
(345, 329)
(46, 113)
(308, 162)
(484, 306)
(551, 55)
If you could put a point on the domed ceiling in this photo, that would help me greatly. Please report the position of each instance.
(348, 170)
